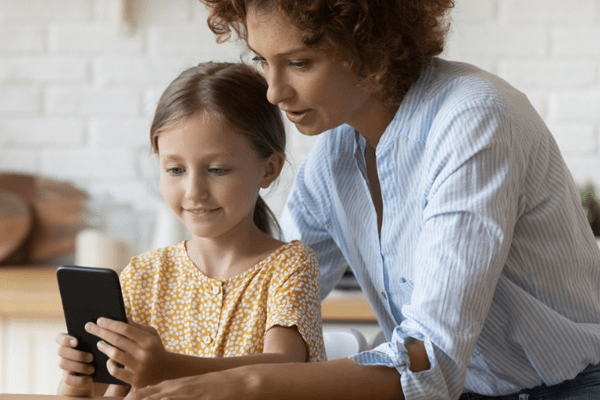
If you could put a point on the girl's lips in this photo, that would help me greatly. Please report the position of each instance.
(200, 211)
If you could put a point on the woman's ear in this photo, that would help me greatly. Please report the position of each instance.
(273, 169)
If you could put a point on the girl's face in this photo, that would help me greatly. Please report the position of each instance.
(211, 176)
(316, 91)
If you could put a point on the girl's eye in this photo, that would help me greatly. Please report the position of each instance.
(218, 171)
(175, 171)
(259, 60)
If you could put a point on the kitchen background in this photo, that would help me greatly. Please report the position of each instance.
(79, 80)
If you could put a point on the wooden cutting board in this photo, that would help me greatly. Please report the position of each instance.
(16, 220)
(57, 212)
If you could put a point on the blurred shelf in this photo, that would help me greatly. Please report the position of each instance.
(347, 306)
(29, 291)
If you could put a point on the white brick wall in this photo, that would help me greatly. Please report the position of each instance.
(77, 93)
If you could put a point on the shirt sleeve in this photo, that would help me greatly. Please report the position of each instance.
(469, 211)
(310, 225)
(126, 280)
(293, 299)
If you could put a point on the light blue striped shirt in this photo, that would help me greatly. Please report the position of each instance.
(485, 251)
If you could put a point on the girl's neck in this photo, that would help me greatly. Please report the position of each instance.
(225, 257)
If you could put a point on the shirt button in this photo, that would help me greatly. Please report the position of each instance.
(216, 290)
(384, 295)
(207, 339)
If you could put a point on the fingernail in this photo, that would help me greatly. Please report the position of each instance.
(100, 344)
(88, 326)
(100, 321)
(73, 342)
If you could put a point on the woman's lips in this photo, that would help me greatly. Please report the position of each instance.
(297, 117)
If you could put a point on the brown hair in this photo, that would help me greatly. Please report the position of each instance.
(388, 42)
(236, 92)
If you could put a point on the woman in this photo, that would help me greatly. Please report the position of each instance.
(443, 190)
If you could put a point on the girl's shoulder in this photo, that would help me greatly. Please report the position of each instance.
(291, 257)
(157, 258)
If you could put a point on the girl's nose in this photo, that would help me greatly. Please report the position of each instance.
(279, 90)
(196, 188)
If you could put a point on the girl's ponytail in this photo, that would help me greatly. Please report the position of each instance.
(264, 218)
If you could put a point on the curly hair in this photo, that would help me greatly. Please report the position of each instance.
(388, 42)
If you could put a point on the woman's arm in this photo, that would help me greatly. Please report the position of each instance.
(328, 380)
(140, 349)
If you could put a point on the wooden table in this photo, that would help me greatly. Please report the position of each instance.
(48, 397)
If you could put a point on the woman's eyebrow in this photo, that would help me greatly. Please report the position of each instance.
(283, 54)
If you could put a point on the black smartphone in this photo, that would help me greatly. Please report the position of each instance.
(87, 294)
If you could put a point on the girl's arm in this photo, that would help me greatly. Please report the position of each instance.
(140, 349)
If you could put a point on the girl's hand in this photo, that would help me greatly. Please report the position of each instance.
(138, 348)
(76, 368)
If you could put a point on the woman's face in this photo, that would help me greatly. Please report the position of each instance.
(315, 91)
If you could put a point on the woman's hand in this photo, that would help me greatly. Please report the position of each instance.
(76, 368)
(138, 348)
(236, 383)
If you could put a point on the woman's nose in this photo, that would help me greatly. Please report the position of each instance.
(279, 90)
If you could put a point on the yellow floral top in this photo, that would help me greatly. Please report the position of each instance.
(197, 315)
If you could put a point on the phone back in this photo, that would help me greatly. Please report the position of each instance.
(87, 294)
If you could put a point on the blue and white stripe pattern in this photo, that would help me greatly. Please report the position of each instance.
(485, 252)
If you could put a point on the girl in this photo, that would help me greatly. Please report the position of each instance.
(446, 194)
(232, 294)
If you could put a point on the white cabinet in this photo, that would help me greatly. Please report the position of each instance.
(28, 358)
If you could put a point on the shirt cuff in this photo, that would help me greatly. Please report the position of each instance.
(390, 354)
(424, 385)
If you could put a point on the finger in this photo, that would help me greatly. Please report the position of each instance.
(116, 354)
(121, 373)
(146, 328)
(135, 332)
(75, 367)
(109, 336)
(77, 380)
(65, 340)
(75, 355)
(119, 327)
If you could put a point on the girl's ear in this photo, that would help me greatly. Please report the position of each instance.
(273, 169)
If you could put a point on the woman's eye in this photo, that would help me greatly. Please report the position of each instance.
(299, 64)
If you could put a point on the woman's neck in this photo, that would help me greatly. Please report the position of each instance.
(374, 120)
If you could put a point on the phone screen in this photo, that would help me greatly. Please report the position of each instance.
(87, 294)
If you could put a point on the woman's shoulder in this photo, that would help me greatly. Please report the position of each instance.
(332, 143)
(461, 82)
